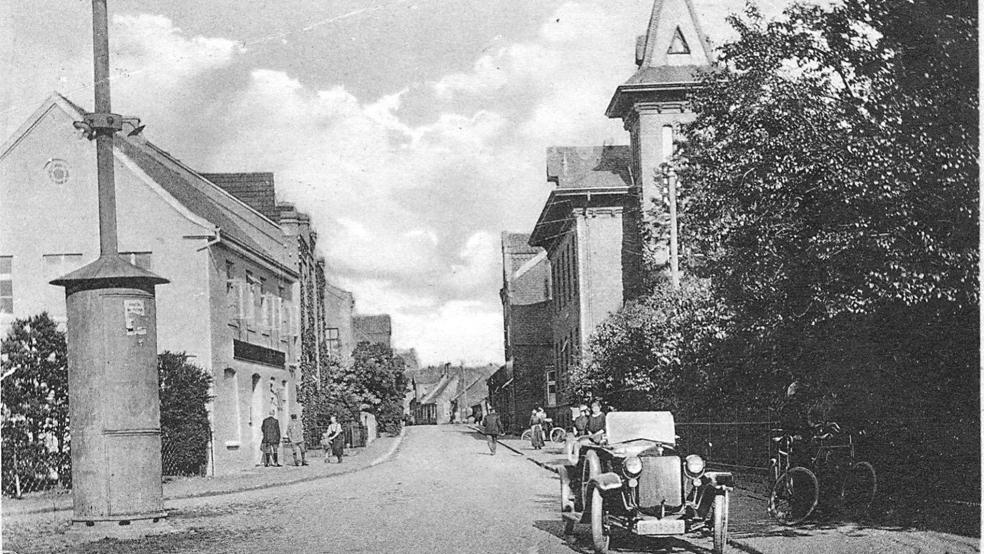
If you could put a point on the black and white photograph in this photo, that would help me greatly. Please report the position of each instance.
(490, 276)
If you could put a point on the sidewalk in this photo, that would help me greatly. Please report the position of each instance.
(752, 530)
(260, 477)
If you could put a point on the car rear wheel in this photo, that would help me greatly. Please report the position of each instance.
(566, 499)
(721, 506)
(600, 537)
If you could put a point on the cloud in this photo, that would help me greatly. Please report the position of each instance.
(408, 209)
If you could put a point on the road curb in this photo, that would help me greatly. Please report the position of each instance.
(389, 453)
(517, 451)
(208, 494)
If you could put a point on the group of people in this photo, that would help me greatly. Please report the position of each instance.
(589, 425)
(332, 440)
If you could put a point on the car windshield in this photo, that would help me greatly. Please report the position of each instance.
(627, 426)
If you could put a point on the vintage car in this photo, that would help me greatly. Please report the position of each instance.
(635, 479)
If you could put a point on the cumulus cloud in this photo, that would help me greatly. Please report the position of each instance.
(408, 214)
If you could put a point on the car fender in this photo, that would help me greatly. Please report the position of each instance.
(607, 481)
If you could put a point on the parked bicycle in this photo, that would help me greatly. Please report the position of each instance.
(557, 435)
(796, 489)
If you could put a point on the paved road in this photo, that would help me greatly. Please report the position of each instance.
(442, 492)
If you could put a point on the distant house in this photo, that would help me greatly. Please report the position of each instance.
(374, 329)
(450, 394)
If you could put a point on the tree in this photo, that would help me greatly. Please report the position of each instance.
(379, 376)
(35, 399)
(833, 180)
(185, 429)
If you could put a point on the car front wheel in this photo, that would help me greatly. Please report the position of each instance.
(721, 505)
(600, 536)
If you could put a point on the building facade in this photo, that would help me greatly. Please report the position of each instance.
(528, 379)
(231, 301)
(582, 230)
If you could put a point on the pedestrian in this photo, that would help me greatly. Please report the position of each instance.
(596, 423)
(333, 440)
(536, 428)
(271, 439)
(581, 421)
(295, 435)
(492, 428)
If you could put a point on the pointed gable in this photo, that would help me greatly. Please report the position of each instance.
(674, 37)
(670, 56)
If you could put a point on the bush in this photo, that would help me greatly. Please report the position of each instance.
(185, 431)
(35, 405)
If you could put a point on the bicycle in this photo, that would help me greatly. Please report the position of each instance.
(795, 491)
(557, 435)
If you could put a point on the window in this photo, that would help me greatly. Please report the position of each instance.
(264, 306)
(666, 144)
(139, 259)
(334, 342)
(573, 270)
(251, 299)
(232, 384)
(551, 388)
(55, 266)
(6, 285)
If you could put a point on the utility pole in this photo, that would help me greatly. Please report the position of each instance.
(668, 181)
(112, 354)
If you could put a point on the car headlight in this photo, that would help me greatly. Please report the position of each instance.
(632, 465)
(695, 464)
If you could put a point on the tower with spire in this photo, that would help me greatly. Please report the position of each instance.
(652, 104)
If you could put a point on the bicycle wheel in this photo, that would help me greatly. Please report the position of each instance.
(794, 496)
(527, 435)
(858, 490)
(557, 435)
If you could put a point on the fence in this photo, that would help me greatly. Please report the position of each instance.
(932, 458)
(36, 467)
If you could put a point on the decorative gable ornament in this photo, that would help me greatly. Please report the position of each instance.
(678, 45)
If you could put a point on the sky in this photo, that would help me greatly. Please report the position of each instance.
(413, 132)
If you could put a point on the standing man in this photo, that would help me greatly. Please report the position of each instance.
(295, 434)
(492, 429)
(271, 439)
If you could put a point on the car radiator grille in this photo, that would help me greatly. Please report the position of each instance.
(661, 480)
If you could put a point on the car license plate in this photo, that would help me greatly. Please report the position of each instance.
(654, 526)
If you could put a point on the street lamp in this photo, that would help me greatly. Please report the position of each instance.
(669, 182)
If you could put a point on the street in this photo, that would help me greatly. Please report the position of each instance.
(440, 492)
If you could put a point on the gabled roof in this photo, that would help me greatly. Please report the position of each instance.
(585, 177)
(256, 189)
(678, 45)
(183, 185)
(432, 397)
(589, 167)
(369, 325)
